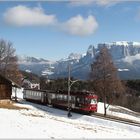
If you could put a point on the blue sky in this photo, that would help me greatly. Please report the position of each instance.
(52, 30)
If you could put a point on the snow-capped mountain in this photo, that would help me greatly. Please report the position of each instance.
(32, 60)
(122, 49)
(38, 66)
(126, 56)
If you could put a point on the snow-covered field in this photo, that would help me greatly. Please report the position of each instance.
(54, 123)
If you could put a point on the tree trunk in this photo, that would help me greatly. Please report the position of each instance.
(105, 106)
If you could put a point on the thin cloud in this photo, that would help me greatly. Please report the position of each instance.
(24, 16)
(137, 17)
(81, 2)
(131, 59)
(80, 26)
(96, 2)
(107, 2)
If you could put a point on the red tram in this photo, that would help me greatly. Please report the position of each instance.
(83, 101)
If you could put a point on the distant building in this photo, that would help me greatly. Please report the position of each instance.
(35, 85)
(26, 83)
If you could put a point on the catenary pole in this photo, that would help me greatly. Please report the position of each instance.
(69, 86)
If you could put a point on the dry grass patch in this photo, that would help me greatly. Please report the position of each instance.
(8, 104)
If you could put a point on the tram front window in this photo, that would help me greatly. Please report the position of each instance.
(93, 101)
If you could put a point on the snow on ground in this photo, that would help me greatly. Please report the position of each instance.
(45, 122)
(119, 111)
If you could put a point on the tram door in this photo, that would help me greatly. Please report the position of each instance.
(79, 101)
(45, 98)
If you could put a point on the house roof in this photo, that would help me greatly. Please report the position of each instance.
(10, 81)
(15, 85)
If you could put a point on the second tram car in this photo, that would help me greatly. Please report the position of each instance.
(83, 101)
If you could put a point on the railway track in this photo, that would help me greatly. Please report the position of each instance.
(116, 119)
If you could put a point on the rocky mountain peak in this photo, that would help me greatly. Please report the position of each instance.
(74, 56)
(126, 55)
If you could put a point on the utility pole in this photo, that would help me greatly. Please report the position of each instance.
(70, 83)
(69, 86)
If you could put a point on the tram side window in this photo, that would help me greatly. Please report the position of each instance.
(57, 96)
(87, 101)
(53, 96)
(60, 97)
(77, 99)
(69, 97)
(65, 97)
(72, 98)
(80, 100)
(38, 94)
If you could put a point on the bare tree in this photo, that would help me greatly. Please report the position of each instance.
(9, 61)
(106, 81)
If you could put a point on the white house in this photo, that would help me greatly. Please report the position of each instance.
(30, 84)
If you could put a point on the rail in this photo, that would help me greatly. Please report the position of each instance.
(116, 119)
